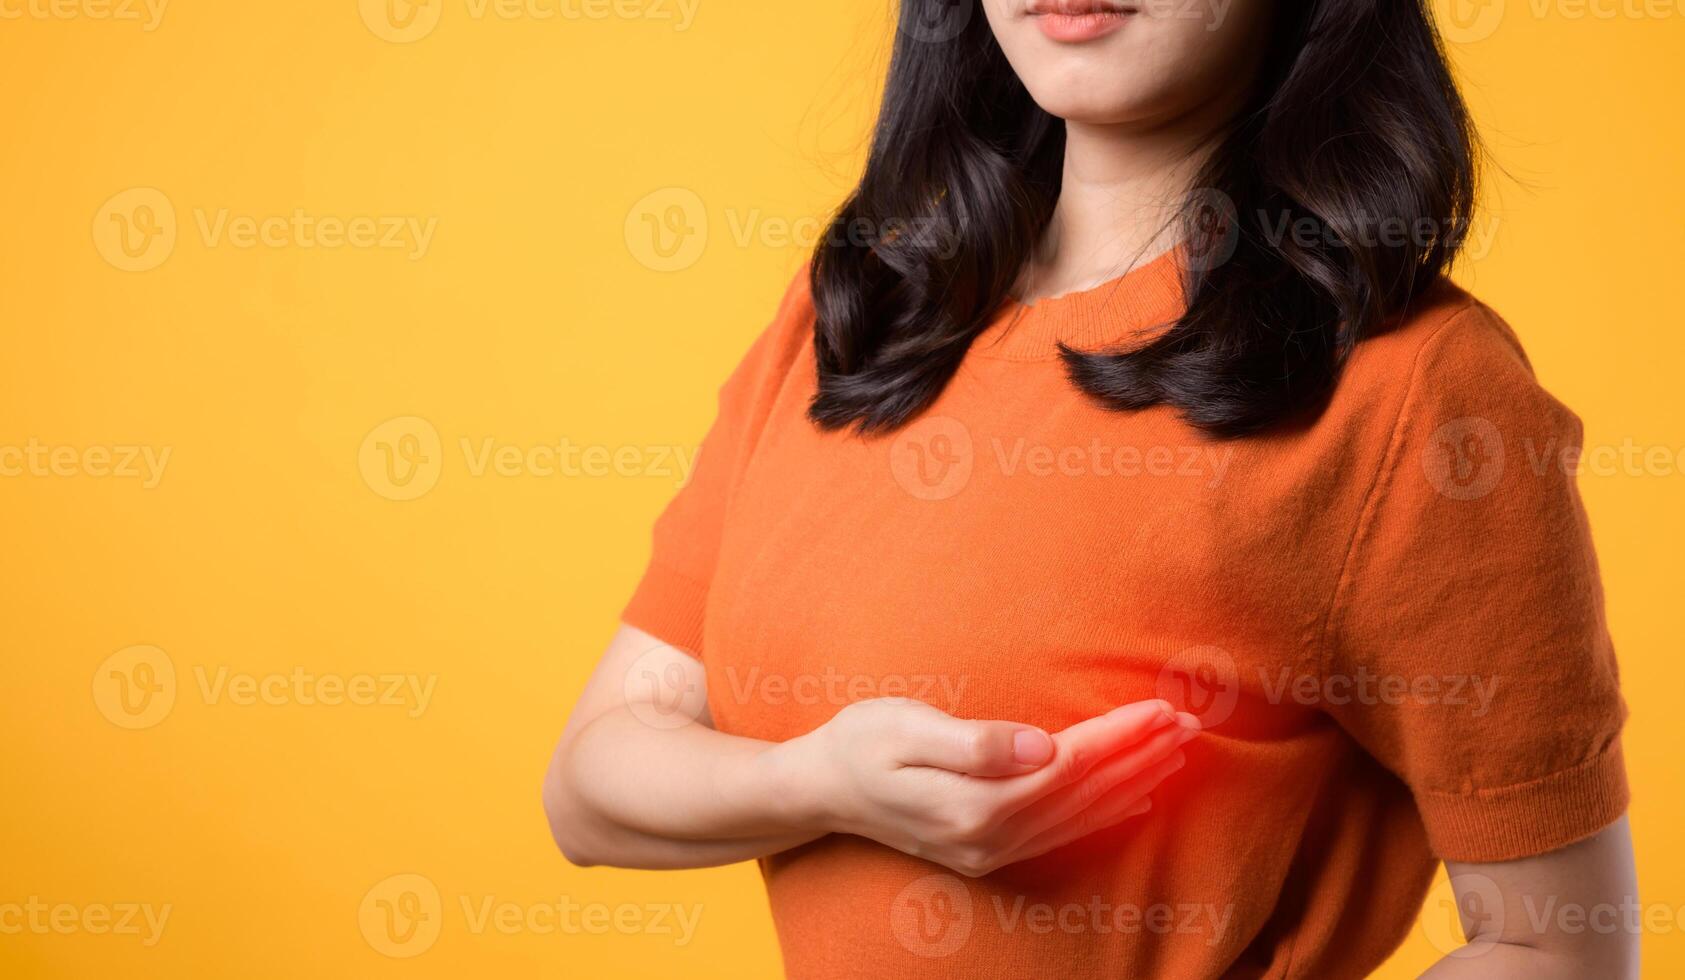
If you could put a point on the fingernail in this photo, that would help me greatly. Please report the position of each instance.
(1167, 712)
(1188, 721)
(1185, 735)
(1031, 747)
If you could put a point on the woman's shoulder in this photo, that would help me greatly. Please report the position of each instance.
(1445, 332)
(1449, 353)
(792, 325)
(1448, 394)
(783, 347)
(790, 331)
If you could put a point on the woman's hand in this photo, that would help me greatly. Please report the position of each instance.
(641, 779)
(979, 795)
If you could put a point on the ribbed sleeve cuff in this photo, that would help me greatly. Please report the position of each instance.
(669, 606)
(1525, 819)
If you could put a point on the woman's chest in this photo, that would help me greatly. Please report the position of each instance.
(999, 561)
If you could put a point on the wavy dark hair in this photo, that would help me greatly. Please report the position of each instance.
(1354, 123)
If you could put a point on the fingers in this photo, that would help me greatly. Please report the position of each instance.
(931, 737)
(1134, 767)
(1123, 802)
(977, 748)
(1080, 747)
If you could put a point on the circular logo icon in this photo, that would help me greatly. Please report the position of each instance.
(1467, 21)
(659, 691)
(1465, 458)
(401, 458)
(1213, 229)
(935, 21)
(1202, 681)
(401, 21)
(932, 457)
(135, 231)
(135, 687)
(1447, 920)
(931, 917)
(401, 916)
(667, 229)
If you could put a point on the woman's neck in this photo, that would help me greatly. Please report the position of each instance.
(1121, 192)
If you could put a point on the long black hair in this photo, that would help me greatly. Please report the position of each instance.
(1354, 124)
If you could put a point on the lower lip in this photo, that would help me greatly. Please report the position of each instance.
(1076, 28)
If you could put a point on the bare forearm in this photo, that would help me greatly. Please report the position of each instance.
(623, 792)
(622, 847)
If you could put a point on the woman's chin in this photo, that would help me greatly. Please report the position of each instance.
(1099, 108)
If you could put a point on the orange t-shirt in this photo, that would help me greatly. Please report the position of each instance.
(1390, 621)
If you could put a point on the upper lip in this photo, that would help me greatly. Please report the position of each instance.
(1078, 7)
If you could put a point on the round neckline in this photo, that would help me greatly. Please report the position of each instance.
(1129, 307)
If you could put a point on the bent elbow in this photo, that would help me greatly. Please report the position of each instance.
(575, 856)
(563, 817)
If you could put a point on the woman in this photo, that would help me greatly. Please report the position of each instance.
(1125, 423)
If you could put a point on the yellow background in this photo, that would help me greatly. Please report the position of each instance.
(541, 310)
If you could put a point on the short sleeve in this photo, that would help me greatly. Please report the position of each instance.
(671, 597)
(1468, 625)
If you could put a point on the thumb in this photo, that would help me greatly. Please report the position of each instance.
(977, 748)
